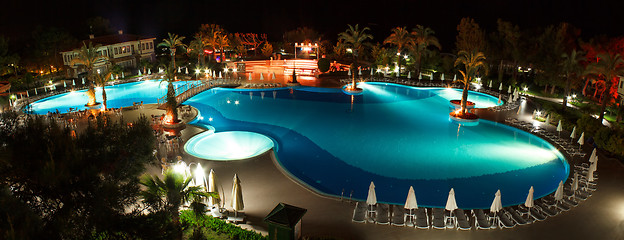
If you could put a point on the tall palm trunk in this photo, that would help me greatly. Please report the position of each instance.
(605, 98)
(565, 93)
(464, 98)
(104, 96)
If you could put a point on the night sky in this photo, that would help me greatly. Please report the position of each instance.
(156, 18)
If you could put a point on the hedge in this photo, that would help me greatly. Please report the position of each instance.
(219, 226)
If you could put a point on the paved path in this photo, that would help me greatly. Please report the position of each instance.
(264, 186)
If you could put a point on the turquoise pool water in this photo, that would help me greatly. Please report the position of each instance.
(227, 146)
(122, 95)
(396, 136)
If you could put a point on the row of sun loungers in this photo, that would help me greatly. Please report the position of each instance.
(566, 144)
(480, 219)
(261, 85)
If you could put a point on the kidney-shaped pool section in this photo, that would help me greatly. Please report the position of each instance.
(231, 145)
(394, 135)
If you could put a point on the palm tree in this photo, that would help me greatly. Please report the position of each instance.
(170, 193)
(401, 38)
(356, 39)
(571, 67)
(423, 38)
(173, 42)
(610, 66)
(89, 56)
(222, 41)
(197, 46)
(172, 104)
(474, 63)
(101, 80)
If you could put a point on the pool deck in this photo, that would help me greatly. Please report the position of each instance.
(264, 185)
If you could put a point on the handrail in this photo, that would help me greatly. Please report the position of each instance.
(191, 89)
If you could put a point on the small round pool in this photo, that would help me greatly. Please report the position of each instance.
(227, 146)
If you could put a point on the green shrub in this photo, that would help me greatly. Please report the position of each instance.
(323, 64)
(187, 218)
(589, 125)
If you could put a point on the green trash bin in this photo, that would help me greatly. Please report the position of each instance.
(285, 222)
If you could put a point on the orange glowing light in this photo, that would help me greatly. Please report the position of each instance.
(168, 119)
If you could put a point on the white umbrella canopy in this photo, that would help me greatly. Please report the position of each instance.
(529, 200)
(186, 71)
(140, 73)
(410, 202)
(149, 71)
(199, 177)
(237, 196)
(442, 78)
(349, 72)
(64, 84)
(509, 89)
(547, 119)
(273, 76)
(590, 174)
(36, 91)
(249, 78)
(594, 165)
(409, 75)
(372, 197)
(451, 204)
(212, 187)
(593, 157)
(510, 99)
(420, 76)
(455, 77)
(581, 140)
(431, 77)
(360, 72)
(122, 75)
(490, 86)
(559, 127)
(397, 75)
(500, 88)
(221, 76)
(497, 204)
(83, 81)
(261, 76)
(573, 134)
(371, 72)
(559, 192)
(73, 82)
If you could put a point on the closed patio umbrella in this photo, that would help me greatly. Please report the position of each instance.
(73, 82)
(410, 202)
(529, 200)
(83, 81)
(261, 76)
(593, 157)
(442, 77)
(573, 134)
(186, 71)
(590, 174)
(221, 76)
(509, 89)
(273, 77)
(451, 204)
(64, 84)
(455, 77)
(237, 196)
(371, 199)
(500, 88)
(122, 75)
(212, 187)
(371, 72)
(149, 71)
(581, 140)
(559, 192)
(36, 91)
(490, 86)
(360, 72)
(547, 119)
(249, 78)
(349, 73)
(559, 128)
(497, 204)
(409, 75)
(140, 74)
(419, 76)
(431, 77)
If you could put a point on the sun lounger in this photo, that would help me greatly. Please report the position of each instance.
(481, 221)
(570, 202)
(383, 214)
(516, 216)
(462, 220)
(537, 215)
(546, 209)
(422, 220)
(398, 216)
(563, 206)
(359, 213)
(438, 218)
(504, 220)
(238, 217)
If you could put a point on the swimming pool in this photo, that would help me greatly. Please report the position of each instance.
(396, 136)
(121, 95)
